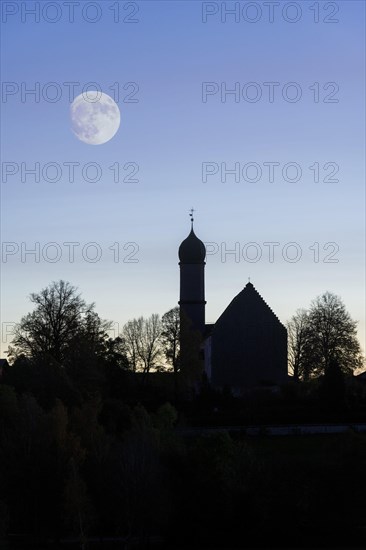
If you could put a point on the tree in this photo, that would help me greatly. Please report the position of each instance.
(130, 335)
(142, 342)
(116, 353)
(54, 323)
(170, 337)
(88, 353)
(149, 342)
(333, 335)
(94, 331)
(297, 339)
(324, 336)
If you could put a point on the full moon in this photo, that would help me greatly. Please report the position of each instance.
(95, 117)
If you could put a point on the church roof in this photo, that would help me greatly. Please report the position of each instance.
(249, 306)
(192, 250)
(248, 344)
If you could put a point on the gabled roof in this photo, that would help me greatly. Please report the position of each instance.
(249, 306)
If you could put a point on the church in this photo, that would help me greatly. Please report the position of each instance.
(247, 346)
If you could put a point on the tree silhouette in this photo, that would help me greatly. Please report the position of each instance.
(170, 337)
(50, 329)
(149, 343)
(142, 342)
(332, 335)
(297, 339)
(130, 335)
(323, 336)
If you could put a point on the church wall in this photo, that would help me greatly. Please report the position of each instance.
(241, 359)
(249, 345)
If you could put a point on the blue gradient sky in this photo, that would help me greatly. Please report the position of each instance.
(169, 133)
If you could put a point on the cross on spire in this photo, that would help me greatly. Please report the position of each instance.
(191, 215)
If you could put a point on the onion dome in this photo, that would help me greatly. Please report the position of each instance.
(192, 250)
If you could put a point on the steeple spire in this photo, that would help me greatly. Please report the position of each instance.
(192, 254)
(191, 216)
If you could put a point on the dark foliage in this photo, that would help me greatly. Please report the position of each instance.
(90, 448)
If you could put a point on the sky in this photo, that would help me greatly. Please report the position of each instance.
(252, 113)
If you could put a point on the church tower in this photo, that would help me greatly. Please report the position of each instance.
(192, 254)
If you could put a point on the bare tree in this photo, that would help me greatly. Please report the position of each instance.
(52, 326)
(142, 342)
(131, 336)
(170, 337)
(149, 349)
(297, 339)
